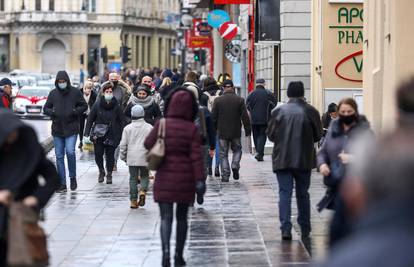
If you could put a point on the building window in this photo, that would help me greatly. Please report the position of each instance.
(38, 5)
(1, 5)
(91, 5)
(52, 5)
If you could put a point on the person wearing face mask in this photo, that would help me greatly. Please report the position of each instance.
(65, 104)
(333, 158)
(90, 97)
(106, 111)
(142, 97)
(22, 160)
(122, 91)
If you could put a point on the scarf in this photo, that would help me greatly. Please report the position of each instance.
(145, 103)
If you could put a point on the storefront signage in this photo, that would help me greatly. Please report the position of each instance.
(217, 17)
(354, 58)
(234, 2)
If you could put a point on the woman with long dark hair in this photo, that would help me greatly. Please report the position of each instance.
(181, 170)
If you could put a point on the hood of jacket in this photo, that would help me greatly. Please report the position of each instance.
(181, 104)
(63, 75)
(16, 164)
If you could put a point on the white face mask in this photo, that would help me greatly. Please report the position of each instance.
(62, 85)
(108, 97)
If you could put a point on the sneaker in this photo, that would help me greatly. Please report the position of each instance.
(73, 184)
(61, 189)
(134, 204)
(217, 172)
(224, 179)
(258, 157)
(286, 235)
(236, 174)
(141, 202)
(109, 178)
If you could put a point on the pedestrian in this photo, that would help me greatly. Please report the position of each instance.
(147, 81)
(378, 194)
(96, 84)
(260, 103)
(6, 93)
(104, 128)
(22, 161)
(141, 96)
(192, 77)
(122, 91)
(329, 115)
(333, 159)
(132, 151)
(229, 112)
(65, 104)
(294, 128)
(210, 92)
(90, 97)
(205, 125)
(180, 172)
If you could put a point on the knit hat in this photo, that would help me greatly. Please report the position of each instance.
(296, 90)
(193, 88)
(137, 112)
(142, 87)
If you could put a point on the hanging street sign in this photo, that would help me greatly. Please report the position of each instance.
(232, 51)
(228, 30)
(217, 17)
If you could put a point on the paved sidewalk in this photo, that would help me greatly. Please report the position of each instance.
(237, 225)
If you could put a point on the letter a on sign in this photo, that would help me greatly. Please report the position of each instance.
(235, 2)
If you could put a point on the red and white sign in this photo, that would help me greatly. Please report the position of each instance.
(228, 30)
(234, 2)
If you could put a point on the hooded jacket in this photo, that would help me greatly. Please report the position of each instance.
(183, 161)
(65, 106)
(21, 163)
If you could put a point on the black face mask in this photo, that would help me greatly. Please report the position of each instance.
(115, 84)
(347, 120)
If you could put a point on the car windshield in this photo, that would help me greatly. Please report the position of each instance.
(22, 82)
(40, 92)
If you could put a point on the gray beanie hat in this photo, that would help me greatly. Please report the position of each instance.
(137, 112)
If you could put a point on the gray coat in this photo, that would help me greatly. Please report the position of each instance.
(294, 128)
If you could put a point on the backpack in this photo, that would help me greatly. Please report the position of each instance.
(211, 99)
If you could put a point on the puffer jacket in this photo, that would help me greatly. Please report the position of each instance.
(132, 149)
(294, 128)
(65, 107)
(183, 161)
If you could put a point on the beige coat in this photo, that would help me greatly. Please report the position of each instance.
(132, 149)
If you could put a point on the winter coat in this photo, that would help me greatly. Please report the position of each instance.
(132, 149)
(92, 100)
(122, 93)
(183, 161)
(210, 90)
(260, 103)
(5, 100)
(107, 113)
(64, 108)
(152, 110)
(229, 111)
(20, 166)
(294, 128)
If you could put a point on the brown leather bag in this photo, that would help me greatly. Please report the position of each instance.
(27, 241)
(156, 155)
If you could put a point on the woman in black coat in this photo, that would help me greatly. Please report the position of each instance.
(141, 96)
(90, 98)
(106, 112)
(22, 160)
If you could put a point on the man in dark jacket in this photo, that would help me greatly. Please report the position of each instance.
(229, 111)
(65, 104)
(5, 93)
(294, 128)
(260, 103)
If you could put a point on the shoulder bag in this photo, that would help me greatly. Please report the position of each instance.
(156, 155)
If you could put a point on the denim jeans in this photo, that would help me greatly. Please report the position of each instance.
(235, 145)
(301, 178)
(65, 145)
(259, 138)
(217, 155)
(134, 172)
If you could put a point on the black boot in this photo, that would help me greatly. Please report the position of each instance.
(210, 171)
(101, 177)
(61, 189)
(165, 242)
(182, 226)
(109, 178)
(217, 171)
(73, 184)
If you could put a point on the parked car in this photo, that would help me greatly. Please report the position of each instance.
(47, 83)
(30, 100)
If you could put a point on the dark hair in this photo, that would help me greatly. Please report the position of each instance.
(349, 101)
(296, 89)
(405, 96)
(209, 81)
(107, 85)
(332, 108)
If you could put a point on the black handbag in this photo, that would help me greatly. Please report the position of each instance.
(336, 175)
(99, 130)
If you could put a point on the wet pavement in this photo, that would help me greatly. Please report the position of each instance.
(236, 226)
(41, 126)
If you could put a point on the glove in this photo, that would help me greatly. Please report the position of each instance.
(86, 140)
(200, 187)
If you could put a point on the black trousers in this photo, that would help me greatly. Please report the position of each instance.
(82, 120)
(167, 213)
(108, 151)
(259, 138)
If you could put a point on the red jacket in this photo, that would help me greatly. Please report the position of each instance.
(5, 100)
(183, 161)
